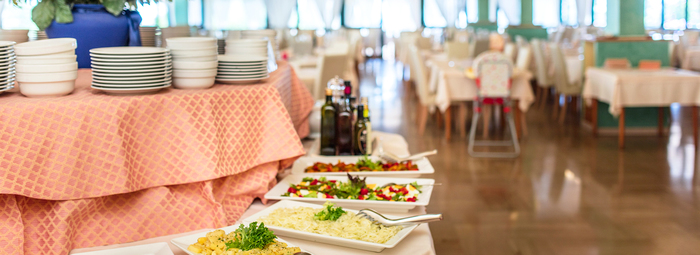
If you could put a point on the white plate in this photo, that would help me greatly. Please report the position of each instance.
(241, 74)
(132, 60)
(239, 77)
(122, 85)
(256, 66)
(117, 75)
(239, 81)
(382, 206)
(150, 55)
(241, 59)
(186, 241)
(146, 249)
(130, 91)
(127, 66)
(132, 71)
(424, 167)
(130, 78)
(129, 50)
(356, 244)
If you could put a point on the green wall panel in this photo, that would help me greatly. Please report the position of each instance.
(634, 116)
(633, 51)
(527, 33)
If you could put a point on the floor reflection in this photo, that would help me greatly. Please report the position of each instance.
(568, 193)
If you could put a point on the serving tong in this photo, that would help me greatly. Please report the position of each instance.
(390, 157)
(378, 218)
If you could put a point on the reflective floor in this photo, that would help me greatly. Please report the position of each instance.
(568, 192)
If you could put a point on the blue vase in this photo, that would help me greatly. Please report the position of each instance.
(94, 27)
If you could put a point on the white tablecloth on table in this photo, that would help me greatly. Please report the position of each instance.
(419, 242)
(449, 83)
(640, 88)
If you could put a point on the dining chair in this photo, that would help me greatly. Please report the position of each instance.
(617, 63)
(510, 51)
(544, 79)
(523, 62)
(493, 71)
(646, 64)
(426, 98)
(329, 65)
(457, 50)
(564, 86)
(480, 45)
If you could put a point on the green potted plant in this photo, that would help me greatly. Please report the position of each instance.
(93, 23)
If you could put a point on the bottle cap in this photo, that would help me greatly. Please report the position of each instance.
(348, 88)
(329, 92)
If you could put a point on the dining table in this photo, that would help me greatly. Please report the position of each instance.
(92, 169)
(450, 85)
(623, 88)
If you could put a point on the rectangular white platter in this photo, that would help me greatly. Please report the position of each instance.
(186, 241)
(424, 167)
(356, 244)
(381, 206)
(146, 249)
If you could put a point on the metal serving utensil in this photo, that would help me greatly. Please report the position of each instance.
(302, 253)
(378, 218)
(390, 157)
(392, 184)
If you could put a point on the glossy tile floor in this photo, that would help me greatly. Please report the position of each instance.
(568, 192)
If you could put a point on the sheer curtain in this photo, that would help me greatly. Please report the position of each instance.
(330, 9)
(363, 13)
(279, 12)
(234, 14)
(546, 12)
(512, 10)
(584, 8)
(450, 9)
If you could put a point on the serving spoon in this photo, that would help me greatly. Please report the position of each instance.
(390, 157)
(378, 218)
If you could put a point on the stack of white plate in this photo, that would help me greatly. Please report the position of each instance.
(131, 70)
(18, 36)
(7, 65)
(41, 35)
(250, 47)
(269, 34)
(148, 36)
(47, 68)
(195, 61)
(237, 69)
(170, 32)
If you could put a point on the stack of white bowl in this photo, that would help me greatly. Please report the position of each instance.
(269, 34)
(18, 36)
(170, 32)
(131, 70)
(195, 61)
(242, 69)
(148, 36)
(47, 68)
(7, 65)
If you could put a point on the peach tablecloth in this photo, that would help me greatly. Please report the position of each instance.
(92, 169)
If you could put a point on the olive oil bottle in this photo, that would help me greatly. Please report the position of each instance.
(368, 124)
(360, 137)
(328, 121)
(344, 125)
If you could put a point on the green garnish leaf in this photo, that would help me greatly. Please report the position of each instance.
(329, 212)
(251, 237)
(366, 162)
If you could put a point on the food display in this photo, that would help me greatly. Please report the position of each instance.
(354, 188)
(363, 165)
(253, 239)
(330, 221)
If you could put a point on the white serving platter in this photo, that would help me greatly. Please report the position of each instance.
(186, 241)
(146, 249)
(300, 165)
(382, 206)
(339, 241)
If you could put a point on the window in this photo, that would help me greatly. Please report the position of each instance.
(694, 14)
(400, 15)
(472, 11)
(235, 14)
(432, 17)
(569, 15)
(502, 20)
(18, 17)
(545, 13)
(652, 14)
(309, 16)
(674, 14)
(154, 14)
(363, 13)
(600, 13)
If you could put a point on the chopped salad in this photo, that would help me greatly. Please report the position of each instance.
(365, 164)
(354, 188)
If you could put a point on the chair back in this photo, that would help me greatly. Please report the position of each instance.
(480, 45)
(331, 64)
(419, 72)
(303, 44)
(561, 73)
(617, 63)
(423, 43)
(493, 71)
(646, 64)
(541, 70)
(509, 51)
(524, 58)
(457, 50)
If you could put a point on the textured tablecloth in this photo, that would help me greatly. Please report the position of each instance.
(419, 242)
(640, 88)
(92, 169)
(448, 82)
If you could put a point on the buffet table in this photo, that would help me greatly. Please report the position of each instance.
(640, 88)
(91, 169)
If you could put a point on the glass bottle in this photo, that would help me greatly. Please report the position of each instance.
(344, 125)
(368, 124)
(328, 113)
(360, 137)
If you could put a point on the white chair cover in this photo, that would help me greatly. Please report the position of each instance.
(419, 72)
(509, 51)
(542, 69)
(332, 64)
(561, 77)
(457, 50)
(494, 70)
(524, 58)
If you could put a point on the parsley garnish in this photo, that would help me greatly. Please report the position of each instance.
(329, 212)
(251, 237)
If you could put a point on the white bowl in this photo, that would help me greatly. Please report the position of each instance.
(47, 89)
(194, 53)
(46, 60)
(46, 47)
(193, 83)
(194, 73)
(54, 68)
(197, 59)
(191, 42)
(14, 32)
(194, 65)
(46, 77)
